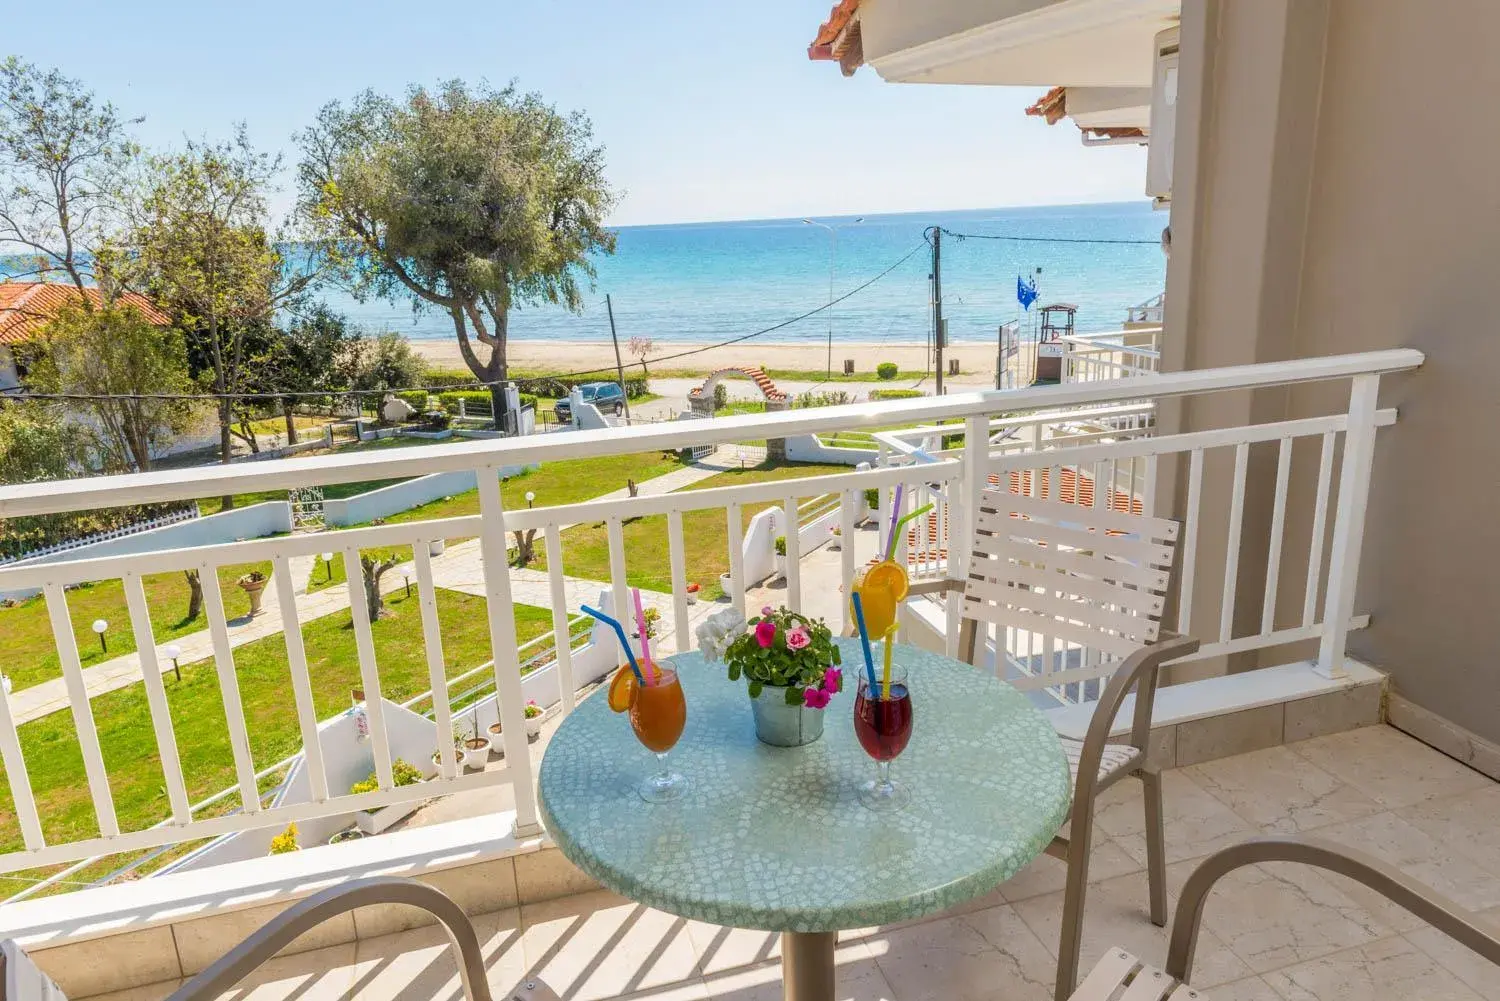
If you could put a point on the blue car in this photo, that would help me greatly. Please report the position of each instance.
(604, 395)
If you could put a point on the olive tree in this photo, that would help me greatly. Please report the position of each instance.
(464, 200)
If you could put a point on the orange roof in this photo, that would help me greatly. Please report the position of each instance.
(838, 38)
(26, 306)
(1052, 105)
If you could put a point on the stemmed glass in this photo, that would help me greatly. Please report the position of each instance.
(882, 722)
(657, 715)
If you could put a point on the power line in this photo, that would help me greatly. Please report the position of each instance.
(1044, 239)
(774, 327)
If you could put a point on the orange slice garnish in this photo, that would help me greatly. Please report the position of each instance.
(622, 689)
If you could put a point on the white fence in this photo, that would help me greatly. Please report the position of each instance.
(383, 502)
(83, 542)
(1111, 355)
(988, 438)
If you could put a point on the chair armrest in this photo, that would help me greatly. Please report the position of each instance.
(1423, 901)
(281, 930)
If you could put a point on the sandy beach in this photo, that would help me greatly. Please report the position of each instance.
(976, 360)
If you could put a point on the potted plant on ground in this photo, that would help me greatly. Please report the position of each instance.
(254, 586)
(497, 738)
(790, 665)
(780, 546)
(533, 714)
(403, 773)
(835, 539)
(347, 834)
(476, 746)
(692, 590)
(286, 841)
(872, 504)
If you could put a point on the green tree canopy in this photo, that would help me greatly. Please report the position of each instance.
(469, 201)
(120, 364)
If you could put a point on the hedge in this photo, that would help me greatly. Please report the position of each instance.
(415, 398)
(895, 394)
(476, 401)
(552, 388)
(886, 370)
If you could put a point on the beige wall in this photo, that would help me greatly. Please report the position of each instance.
(1346, 198)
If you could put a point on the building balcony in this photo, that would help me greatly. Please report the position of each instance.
(163, 884)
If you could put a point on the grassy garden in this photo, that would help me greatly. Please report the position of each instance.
(705, 536)
(128, 741)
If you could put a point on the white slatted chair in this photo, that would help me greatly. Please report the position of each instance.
(1119, 976)
(1091, 583)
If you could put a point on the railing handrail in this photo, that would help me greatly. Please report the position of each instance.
(182, 484)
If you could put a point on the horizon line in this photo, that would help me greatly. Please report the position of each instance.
(854, 215)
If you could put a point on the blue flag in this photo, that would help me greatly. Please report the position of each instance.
(1025, 292)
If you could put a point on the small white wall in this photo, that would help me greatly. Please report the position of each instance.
(253, 522)
(759, 551)
(809, 448)
(386, 501)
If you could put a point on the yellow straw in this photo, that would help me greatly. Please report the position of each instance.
(885, 680)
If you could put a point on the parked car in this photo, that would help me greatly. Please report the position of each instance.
(607, 396)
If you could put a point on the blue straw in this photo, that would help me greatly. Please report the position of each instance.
(864, 638)
(620, 632)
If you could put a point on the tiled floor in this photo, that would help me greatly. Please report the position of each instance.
(1273, 933)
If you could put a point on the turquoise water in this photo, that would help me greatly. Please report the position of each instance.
(706, 282)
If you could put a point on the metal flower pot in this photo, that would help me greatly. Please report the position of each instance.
(781, 725)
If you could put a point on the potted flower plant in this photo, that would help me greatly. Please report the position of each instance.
(497, 738)
(254, 586)
(780, 545)
(533, 713)
(835, 539)
(790, 665)
(692, 594)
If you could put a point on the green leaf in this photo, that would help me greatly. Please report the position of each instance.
(794, 696)
(734, 672)
(755, 689)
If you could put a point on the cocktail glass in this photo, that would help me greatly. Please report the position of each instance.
(882, 722)
(658, 713)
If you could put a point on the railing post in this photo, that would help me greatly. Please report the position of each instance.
(961, 521)
(502, 618)
(1349, 524)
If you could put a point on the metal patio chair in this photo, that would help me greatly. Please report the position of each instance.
(1119, 976)
(1090, 585)
(20, 980)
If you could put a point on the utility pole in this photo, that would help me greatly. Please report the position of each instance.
(619, 365)
(937, 303)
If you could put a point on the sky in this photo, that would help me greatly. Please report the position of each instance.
(707, 111)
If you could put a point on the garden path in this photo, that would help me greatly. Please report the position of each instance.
(459, 568)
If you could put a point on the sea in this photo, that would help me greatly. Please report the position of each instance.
(712, 282)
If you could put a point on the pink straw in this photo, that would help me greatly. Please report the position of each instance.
(640, 624)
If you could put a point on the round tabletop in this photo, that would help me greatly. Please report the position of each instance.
(775, 838)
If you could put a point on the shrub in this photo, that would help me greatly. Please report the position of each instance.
(286, 841)
(886, 370)
(834, 398)
(476, 401)
(437, 420)
(721, 397)
(552, 388)
(415, 398)
(895, 394)
(872, 498)
(403, 773)
(780, 545)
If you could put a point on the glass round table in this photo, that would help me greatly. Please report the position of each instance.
(776, 839)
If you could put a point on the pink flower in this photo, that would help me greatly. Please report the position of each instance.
(798, 638)
(833, 680)
(765, 632)
(766, 610)
(815, 698)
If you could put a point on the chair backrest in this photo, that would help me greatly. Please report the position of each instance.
(1074, 589)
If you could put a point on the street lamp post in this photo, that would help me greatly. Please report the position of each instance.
(833, 266)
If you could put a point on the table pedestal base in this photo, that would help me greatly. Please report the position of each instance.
(807, 965)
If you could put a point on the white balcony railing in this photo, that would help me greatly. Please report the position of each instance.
(1113, 354)
(1095, 434)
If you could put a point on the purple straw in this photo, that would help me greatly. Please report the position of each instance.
(890, 541)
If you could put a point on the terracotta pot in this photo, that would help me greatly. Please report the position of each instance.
(255, 591)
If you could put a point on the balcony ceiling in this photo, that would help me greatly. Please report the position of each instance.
(1072, 43)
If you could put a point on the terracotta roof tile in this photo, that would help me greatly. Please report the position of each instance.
(839, 38)
(25, 307)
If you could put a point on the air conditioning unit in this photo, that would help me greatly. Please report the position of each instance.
(1163, 141)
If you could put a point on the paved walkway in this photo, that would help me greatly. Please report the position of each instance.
(460, 568)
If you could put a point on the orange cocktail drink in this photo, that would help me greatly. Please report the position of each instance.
(658, 711)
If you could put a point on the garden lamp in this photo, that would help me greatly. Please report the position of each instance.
(172, 651)
(530, 496)
(99, 626)
(328, 565)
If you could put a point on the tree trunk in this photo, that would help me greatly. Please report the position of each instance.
(195, 595)
(372, 571)
(525, 546)
(291, 421)
(495, 371)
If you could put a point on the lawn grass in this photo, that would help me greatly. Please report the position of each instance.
(320, 578)
(28, 654)
(705, 536)
(566, 481)
(128, 742)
